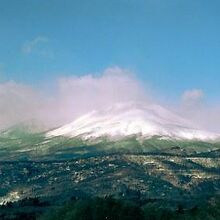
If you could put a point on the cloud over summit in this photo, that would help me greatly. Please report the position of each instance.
(71, 97)
(74, 96)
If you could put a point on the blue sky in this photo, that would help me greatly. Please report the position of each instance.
(173, 45)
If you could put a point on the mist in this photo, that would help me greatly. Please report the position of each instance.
(71, 97)
(68, 98)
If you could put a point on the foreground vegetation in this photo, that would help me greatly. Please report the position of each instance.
(108, 208)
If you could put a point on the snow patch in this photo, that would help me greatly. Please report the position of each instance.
(125, 119)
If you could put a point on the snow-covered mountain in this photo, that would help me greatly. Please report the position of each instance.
(127, 119)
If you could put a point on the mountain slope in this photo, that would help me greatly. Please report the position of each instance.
(129, 119)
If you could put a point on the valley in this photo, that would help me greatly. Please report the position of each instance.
(132, 176)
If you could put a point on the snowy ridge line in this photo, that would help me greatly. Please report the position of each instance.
(127, 119)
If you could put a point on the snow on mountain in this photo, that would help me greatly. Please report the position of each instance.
(128, 119)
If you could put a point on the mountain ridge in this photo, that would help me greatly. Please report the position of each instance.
(125, 119)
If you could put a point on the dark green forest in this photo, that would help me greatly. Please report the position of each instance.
(112, 209)
(108, 208)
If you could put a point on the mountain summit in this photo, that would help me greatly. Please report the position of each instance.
(126, 119)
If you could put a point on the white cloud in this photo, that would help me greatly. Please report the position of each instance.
(78, 95)
(71, 97)
(193, 95)
(194, 107)
(17, 103)
(30, 46)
